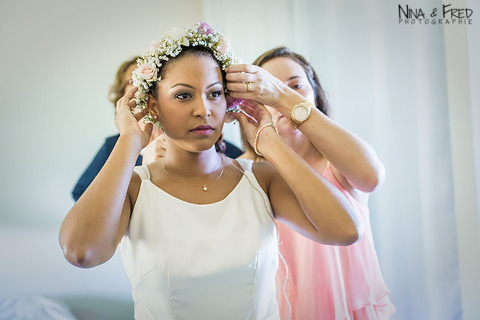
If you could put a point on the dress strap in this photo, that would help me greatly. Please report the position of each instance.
(143, 172)
(246, 164)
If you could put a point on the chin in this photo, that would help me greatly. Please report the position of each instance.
(200, 146)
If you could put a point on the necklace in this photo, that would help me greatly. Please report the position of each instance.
(204, 186)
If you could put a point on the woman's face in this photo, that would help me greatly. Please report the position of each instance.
(127, 80)
(293, 75)
(191, 104)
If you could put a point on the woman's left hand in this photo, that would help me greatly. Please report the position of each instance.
(252, 116)
(251, 82)
(156, 148)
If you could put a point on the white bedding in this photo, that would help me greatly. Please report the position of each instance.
(34, 307)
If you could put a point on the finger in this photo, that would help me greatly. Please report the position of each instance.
(157, 134)
(249, 104)
(139, 115)
(131, 93)
(250, 118)
(132, 104)
(241, 77)
(241, 95)
(240, 87)
(251, 113)
(127, 97)
(263, 113)
(148, 128)
(242, 68)
(242, 119)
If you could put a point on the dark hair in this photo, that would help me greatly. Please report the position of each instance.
(320, 99)
(196, 51)
(117, 88)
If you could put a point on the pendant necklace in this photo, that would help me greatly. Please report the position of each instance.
(203, 186)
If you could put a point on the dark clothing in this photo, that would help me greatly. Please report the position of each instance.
(102, 155)
(231, 150)
(96, 165)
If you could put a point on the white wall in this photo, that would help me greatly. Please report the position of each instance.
(390, 84)
(399, 88)
(463, 84)
(57, 61)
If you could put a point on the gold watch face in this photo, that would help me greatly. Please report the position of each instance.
(301, 112)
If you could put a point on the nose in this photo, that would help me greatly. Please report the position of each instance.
(203, 109)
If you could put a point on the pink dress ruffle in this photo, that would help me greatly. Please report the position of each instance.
(332, 282)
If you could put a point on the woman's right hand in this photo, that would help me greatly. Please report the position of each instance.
(127, 123)
(251, 82)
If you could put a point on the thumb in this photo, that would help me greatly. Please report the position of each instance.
(241, 118)
(148, 128)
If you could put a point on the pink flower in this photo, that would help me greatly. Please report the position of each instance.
(233, 102)
(204, 28)
(147, 71)
(224, 45)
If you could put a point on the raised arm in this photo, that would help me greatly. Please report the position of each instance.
(96, 223)
(355, 162)
(350, 156)
(300, 196)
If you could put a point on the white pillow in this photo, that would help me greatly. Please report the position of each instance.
(34, 307)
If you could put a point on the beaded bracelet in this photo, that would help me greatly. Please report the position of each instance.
(258, 134)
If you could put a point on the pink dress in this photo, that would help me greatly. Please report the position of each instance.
(331, 282)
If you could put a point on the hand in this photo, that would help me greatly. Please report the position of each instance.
(251, 117)
(156, 148)
(264, 87)
(127, 123)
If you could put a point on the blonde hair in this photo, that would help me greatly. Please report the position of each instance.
(117, 88)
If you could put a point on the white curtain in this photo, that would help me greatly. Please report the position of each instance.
(388, 82)
(412, 91)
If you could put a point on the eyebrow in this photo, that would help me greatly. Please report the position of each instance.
(294, 77)
(190, 86)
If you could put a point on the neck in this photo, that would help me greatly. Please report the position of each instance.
(188, 164)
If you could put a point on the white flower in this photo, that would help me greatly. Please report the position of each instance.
(140, 95)
(224, 45)
(154, 45)
(176, 33)
(170, 46)
(185, 42)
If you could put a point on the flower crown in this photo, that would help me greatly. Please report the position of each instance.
(170, 46)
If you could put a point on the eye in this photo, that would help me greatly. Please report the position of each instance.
(297, 86)
(182, 96)
(216, 94)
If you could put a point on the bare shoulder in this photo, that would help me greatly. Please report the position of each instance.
(264, 172)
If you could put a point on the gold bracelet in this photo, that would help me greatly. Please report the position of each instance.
(258, 134)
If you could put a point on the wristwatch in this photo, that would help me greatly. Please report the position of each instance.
(300, 113)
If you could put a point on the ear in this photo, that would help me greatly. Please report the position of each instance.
(152, 106)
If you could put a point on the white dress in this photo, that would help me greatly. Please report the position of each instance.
(212, 261)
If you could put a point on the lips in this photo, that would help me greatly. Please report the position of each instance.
(202, 130)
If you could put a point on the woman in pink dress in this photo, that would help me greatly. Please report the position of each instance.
(318, 282)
